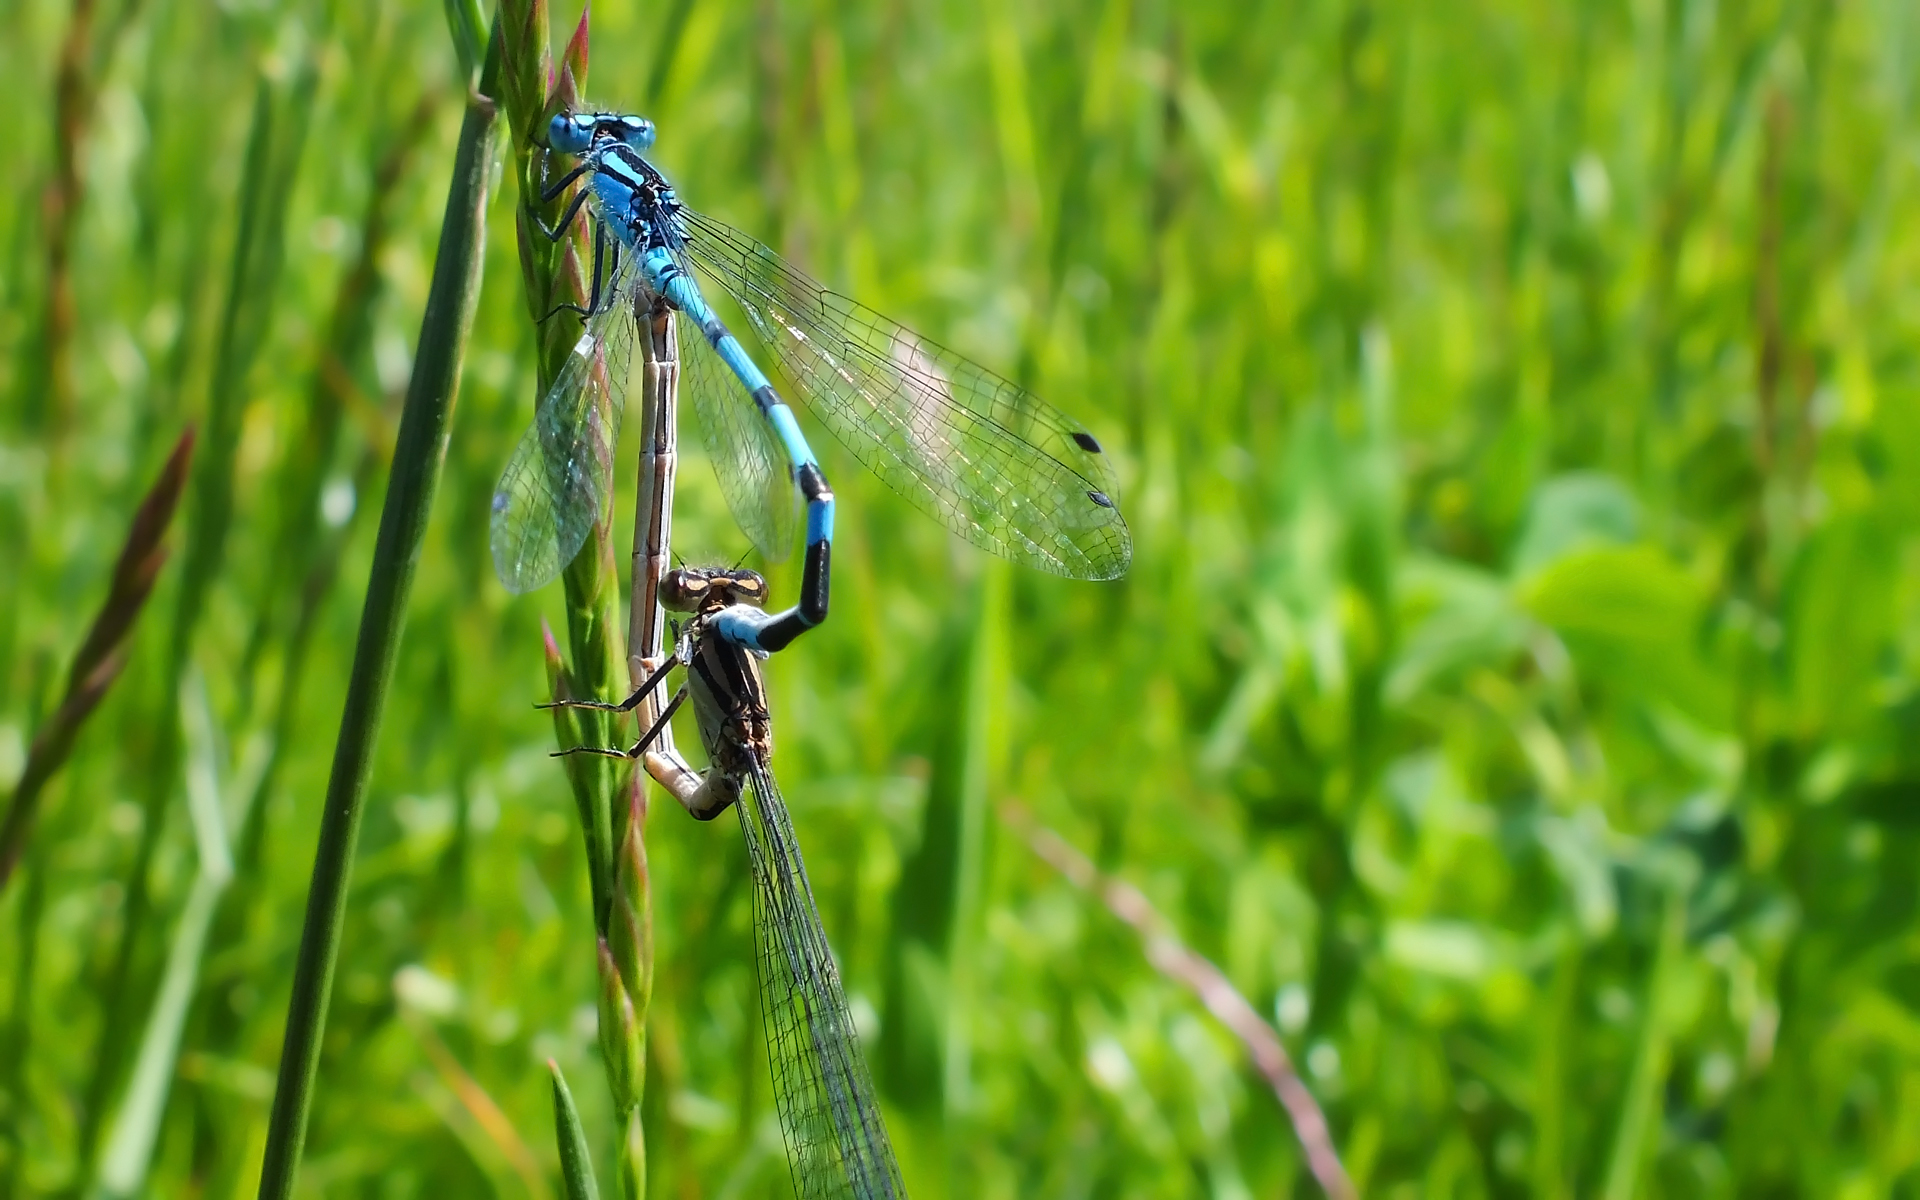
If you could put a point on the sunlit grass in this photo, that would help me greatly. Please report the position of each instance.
(1512, 692)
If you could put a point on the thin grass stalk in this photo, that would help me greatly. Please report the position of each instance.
(129, 1150)
(100, 658)
(552, 273)
(83, 58)
(1641, 1106)
(628, 949)
(986, 685)
(611, 797)
(19, 1030)
(72, 100)
(211, 502)
(623, 950)
(492, 1132)
(418, 455)
(1183, 965)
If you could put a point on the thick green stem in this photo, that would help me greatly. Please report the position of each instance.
(417, 458)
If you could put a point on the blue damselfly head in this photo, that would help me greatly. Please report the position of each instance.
(577, 133)
(708, 589)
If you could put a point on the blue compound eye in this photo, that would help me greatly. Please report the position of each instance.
(636, 132)
(569, 133)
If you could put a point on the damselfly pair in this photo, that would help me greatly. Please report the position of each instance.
(988, 459)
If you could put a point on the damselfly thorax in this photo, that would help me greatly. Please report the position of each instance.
(633, 193)
(724, 681)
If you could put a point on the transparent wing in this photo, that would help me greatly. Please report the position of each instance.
(990, 460)
(836, 1143)
(753, 470)
(560, 478)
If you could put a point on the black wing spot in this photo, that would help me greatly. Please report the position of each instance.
(1085, 441)
(1099, 498)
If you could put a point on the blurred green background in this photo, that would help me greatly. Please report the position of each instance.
(1514, 690)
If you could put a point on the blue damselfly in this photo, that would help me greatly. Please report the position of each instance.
(988, 459)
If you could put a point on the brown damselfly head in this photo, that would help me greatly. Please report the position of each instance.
(709, 589)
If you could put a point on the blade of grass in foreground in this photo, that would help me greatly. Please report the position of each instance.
(417, 458)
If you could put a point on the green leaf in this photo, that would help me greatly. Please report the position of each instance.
(1841, 608)
(1571, 512)
(1630, 594)
(576, 1160)
(1633, 619)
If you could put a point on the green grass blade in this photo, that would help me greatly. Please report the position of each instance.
(1639, 1127)
(576, 1159)
(986, 685)
(97, 663)
(129, 1151)
(17, 1035)
(418, 455)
